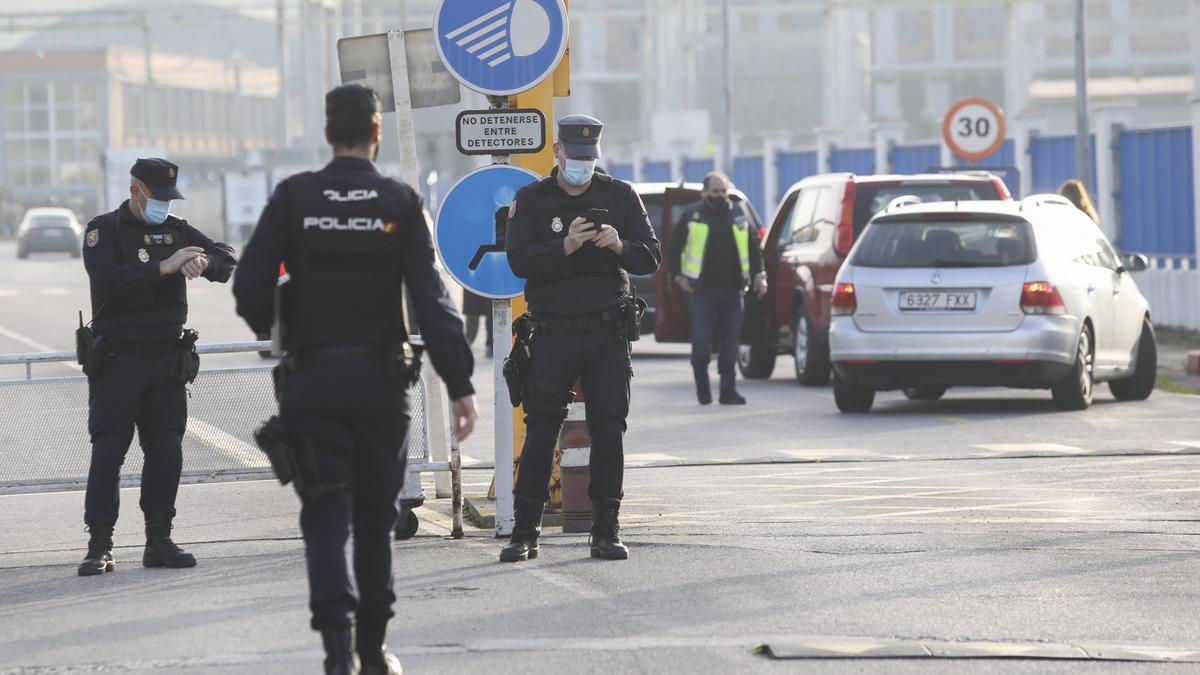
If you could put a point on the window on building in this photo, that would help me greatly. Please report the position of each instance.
(748, 23)
(914, 35)
(979, 33)
(625, 37)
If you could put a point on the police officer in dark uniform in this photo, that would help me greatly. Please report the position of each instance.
(348, 237)
(138, 259)
(577, 288)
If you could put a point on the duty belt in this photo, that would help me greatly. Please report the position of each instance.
(145, 351)
(313, 356)
(575, 324)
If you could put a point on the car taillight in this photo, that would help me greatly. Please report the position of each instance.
(844, 237)
(1001, 188)
(845, 302)
(1041, 297)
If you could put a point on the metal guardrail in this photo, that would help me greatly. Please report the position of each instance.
(43, 426)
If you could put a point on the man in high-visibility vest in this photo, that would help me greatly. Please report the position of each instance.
(714, 254)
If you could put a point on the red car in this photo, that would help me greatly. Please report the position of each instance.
(817, 222)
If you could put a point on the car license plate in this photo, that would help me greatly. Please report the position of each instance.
(51, 233)
(939, 301)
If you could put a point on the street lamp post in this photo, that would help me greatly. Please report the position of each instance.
(1083, 153)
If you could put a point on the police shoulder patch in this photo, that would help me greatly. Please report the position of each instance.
(93, 237)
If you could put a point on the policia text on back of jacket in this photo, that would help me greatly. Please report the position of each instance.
(349, 238)
(580, 321)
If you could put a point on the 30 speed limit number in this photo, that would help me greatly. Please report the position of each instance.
(974, 129)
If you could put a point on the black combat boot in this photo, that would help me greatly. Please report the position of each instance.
(732, 397)
(99, 554)
(528, 525)
(160, 550)
(372, 652)
(339, 651)
(606, 537)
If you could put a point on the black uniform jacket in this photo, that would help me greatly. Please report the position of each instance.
(346, 194)
(592, 279)
(131, 300)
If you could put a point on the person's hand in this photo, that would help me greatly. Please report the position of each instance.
(178, 259)
(195, 267)
(760, 285)
(684, 283)
(465, 417)
(608, 238)
(577, 236)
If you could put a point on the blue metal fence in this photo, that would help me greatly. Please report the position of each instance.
(621, 170)
(748, 177)
(791, 167)
(852, 160)
(694, 170)
(916, 158)
(1053, 161)
(656, 171)
(1155, 191)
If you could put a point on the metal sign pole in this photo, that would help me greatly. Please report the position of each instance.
(502, 341)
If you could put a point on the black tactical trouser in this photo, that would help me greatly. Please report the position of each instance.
(600, 358)
(134, 391)
(355, 414)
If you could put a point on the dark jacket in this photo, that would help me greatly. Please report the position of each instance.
(592, 279)
(131, 300)
(351, 237)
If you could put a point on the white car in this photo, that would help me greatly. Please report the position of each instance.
(1025, 294)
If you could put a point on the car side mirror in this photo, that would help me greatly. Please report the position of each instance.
(1135, 262)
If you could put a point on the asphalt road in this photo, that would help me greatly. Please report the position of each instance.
(985, 525)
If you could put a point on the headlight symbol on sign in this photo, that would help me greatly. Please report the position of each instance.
(500, 47)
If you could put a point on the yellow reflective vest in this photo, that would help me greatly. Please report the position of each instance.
(692, 262)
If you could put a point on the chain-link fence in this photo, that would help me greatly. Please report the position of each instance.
(44, 438)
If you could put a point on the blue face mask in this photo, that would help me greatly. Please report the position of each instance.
(156, 211)
(579, 171)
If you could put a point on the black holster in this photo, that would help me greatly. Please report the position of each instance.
(516, 366)
(404, 360)
(632, 308)
(185, 364)
(291, 465)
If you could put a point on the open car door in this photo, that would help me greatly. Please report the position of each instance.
(674, 321)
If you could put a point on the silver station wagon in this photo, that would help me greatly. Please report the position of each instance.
(1026, 294)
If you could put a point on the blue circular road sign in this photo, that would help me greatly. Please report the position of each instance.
(465, 230)
(500, 47)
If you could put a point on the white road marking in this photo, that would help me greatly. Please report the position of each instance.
(9, 292)
(54, 291)
(233, 447)
(650, 457)
(1033, 447)
(37, 346)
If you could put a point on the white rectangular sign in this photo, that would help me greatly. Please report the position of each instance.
(366, 60)
(507, 131)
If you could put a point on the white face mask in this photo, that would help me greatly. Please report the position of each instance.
(579, 171)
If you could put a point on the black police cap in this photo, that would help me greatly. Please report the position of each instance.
(351, 99)
(159, 175)
(580, 135)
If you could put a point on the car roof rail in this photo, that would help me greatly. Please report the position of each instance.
(901, 202)
(1039, 200)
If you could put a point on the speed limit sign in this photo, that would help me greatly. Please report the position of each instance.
(974, 129)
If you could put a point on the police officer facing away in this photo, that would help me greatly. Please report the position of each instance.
(138, 259)
(714, 254)
(349, 237)
(576, 288)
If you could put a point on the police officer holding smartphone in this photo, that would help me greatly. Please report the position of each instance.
(137, 357)
(349, 237)
(575, 236)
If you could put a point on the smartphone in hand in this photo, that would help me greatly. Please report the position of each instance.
(596, 217)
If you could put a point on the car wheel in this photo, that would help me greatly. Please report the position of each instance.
(1145, 369)
(407, 525)
(76, 253)
(924, 393)
(811, 370)
(851, 397)
(756, 361)
(1075, 391)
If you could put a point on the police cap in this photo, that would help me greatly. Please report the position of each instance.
(579, 136)
(159, 175)
(351, 99)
